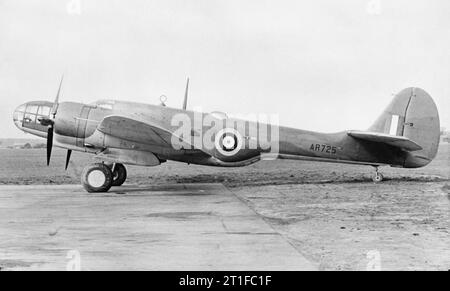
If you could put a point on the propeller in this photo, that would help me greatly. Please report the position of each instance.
(186, 95)
(50, 123)
(69, 153)
(56, 103)
(49, 143)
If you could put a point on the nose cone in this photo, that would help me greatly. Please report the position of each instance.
(18, 116)
(27, 117)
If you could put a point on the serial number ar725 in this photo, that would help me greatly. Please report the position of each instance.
(323, 148)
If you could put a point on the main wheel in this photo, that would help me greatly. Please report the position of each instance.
(97, 178)
(119, 175)
(378, 177)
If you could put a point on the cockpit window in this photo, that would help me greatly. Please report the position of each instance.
(31, 114)
(19, 113)
(18, 116)
(32, 109)
(105, 104)
(44, 110)
(29, 118)
(21, 108)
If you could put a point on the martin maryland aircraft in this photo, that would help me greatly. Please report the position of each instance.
(406, 135)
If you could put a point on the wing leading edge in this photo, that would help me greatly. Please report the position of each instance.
(135, 130)
(396, 141)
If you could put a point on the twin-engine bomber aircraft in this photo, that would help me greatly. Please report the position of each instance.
(406, 135)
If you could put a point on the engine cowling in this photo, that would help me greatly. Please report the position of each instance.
(70, 119)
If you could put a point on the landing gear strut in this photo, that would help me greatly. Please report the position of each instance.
(378, 177)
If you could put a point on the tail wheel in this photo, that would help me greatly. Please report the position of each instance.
(119, 175)
(97, 178)
(378, 177)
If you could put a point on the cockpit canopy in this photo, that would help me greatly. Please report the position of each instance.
(28, 115)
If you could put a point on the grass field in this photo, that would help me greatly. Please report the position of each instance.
(29, 167)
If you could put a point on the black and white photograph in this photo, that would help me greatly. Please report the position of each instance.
(218, 142)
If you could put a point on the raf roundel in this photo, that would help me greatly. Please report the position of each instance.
(228, 142)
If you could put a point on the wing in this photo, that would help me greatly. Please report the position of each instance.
(392, 140)
(135, 130)
(151, 133)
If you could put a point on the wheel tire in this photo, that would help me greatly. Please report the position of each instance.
(97, 178)
(119, 175)
(378, 177)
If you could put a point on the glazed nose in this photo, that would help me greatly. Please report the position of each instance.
(18, 115)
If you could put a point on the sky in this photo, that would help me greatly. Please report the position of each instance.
(321, 65)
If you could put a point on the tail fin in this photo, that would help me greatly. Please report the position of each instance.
(414, 115)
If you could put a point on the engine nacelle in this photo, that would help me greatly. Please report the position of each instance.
(71, 119)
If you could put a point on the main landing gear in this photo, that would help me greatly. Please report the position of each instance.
(119, 174)
(378, 177)
(101, 177)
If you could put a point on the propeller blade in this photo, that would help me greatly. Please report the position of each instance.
(69, 153)
(55, 105)
(186, 95)
(49, 143)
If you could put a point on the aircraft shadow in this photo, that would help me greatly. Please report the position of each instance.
(184, 187)
(172, 189)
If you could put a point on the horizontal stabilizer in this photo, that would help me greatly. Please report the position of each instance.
(392, 140)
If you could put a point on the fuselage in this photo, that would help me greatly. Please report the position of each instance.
(77, 129)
